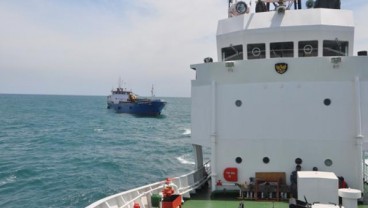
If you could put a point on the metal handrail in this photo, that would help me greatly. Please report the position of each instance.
(147, 190)
(365, 172)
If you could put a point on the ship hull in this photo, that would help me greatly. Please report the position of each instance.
(142, 108)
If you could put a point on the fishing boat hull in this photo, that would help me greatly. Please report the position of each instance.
(143, 107)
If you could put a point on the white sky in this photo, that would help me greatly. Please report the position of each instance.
(82, 47)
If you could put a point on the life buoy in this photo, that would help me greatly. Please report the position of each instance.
(256, 51)
(308, 49)
(231, 174)
(241, 7)
(309, 4)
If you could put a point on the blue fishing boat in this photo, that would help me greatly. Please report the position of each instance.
(125, 101)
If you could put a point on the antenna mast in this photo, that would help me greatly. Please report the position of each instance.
(152, 94)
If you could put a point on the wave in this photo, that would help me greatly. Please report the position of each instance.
(187, 131)
(70, 147)
(182, 160)
(98, 130)
(7, 180)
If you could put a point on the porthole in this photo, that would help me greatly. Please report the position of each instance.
(238, 160)
(238, 103)
(327, 102)
(298, 161)
(328, 162)
(266, 160)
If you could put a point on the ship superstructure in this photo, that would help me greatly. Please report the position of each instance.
(287, 90)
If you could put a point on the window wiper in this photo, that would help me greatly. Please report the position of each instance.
(338, 45)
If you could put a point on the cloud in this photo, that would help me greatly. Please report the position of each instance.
(155, 42)
(83, 47)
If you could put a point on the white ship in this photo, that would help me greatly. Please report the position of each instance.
(287, 91)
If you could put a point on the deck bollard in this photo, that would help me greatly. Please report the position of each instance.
(350, 197)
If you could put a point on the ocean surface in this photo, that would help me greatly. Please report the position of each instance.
(69, 151)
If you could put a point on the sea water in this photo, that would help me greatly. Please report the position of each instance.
(69, 151)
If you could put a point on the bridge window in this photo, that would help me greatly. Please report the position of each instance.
(282, 49)
(232, 53)
(308, 48)
(256, 51)
(335, 48)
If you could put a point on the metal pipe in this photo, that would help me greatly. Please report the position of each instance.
(359, 134)
(213, 136)
(358, 107)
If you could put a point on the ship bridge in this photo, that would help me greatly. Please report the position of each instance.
(286, 88)
(315, 32)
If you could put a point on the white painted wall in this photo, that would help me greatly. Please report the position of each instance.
(283, 117)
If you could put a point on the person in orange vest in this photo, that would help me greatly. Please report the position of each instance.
(136, 205)
(294, 182)
(169, 188)
(342, 184)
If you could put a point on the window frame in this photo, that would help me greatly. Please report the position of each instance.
(332, 47)
(232, 53)
(282, 49)
(305, 46)
(252, 51)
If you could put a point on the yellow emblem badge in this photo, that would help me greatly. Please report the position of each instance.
(281, 67)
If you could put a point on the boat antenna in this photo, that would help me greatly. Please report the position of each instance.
(152, 94)
(120, 81)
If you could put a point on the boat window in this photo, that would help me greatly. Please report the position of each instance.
(298, 161)
(330, 4)
(256, 51)
(335, 48)
(266, 160)
(238, 103)
(308, 48)
(232, 53)
(328, 162)
(327, 102)
(282, 49)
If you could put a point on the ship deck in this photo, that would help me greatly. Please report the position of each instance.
(204, 199)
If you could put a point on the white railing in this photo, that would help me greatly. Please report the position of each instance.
(365, 172)
(142, 195)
